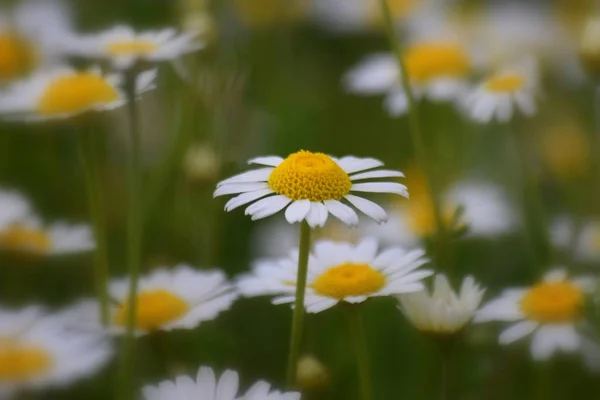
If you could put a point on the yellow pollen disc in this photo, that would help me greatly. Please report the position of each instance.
(19, 238)
(427, 61)
(155, 309)
(17, 57)
(349, 280)
(313, 176)
(505, 83)
(559, 302)
(76, 93)
(131, 47)
(19, 363)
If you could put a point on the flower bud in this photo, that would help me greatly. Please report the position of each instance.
(312, 374)
(589, 51)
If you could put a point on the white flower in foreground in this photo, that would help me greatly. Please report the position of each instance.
(504, 93)
(310, 185)
(123, 46)
(64, 92)
(178, 298)
(442, 311)
(29, 236)
(551, 311)
(339, 272)
(583, 243)
(208, 387)
(36, 351)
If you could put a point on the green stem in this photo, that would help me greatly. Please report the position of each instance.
(357, 330)
(89, 160)
(134, 229)
(298, 317)
(421, 155)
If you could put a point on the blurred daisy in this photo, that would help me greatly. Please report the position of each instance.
(551, 311)
(503, 94)
(339, 272)
(36, 351)
(64, 92)
(124, 46)
(583, 242)
(310, 185)
(30, 236)
(207, 386)
(13, 207)
(443, 311)
(178, 298)
(437, 70)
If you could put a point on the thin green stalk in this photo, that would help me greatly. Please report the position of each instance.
(134, 230)
(357, 330)
(298, 317)
(421, 154)
(89, 160)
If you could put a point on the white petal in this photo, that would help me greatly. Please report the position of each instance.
(342, 212)
(272, 161)
(265, 207)
(317, 216)
(253, 176)
(239, 188)
(246, 198)
(297, 211)
(352, 164)
(517, 331)
(368, 207)
(382, 173)
(543, 344)
(380, 187)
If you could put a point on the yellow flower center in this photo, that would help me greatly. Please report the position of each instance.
(505, 83)
(313, 176)
(76, 93)
(154, 309)
(557, 302)
(421, 217)
(20, 238)
(349, 280)
(131, 47)
(19, 363)
(17, 57)
(427, 61)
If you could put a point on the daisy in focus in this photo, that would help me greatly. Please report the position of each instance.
(207, 386)
(36, 351)
(582, 242)
(124, 47)
(339, 272)
(310, 186)
(504, 94)
(178, 298)
(443, 311)
(550, 311)
(63, 92)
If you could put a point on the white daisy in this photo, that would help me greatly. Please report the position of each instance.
(310, 185)
(30, 236)
(504, 93)
(582, 242)
(36, 351)
(437, 70)
(178, 298)
(551, 311)
(63, 92)
(339, 272)
(208, 387)
(13, 207)
(124, 47)
(442, 311)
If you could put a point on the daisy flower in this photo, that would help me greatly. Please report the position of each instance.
(310, 185)
(63, 92)
(339, 272)
(550, 311)
(36, 351)
(30, 236)
(443, 311)
(503, 94)
(13, 207)
(167, 299)
(585, 246)
(124, 46)
(207, 386)
(437, 70)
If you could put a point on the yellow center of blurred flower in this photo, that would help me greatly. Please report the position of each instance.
(19, 363)
(154, 309)
(349, 280)
(17, 57)
(505, 83)
(131, 47)
(557, 302)
(427, 61)
(76, 93)
(20, 238)
(421, 217)
(313, 176)
(566, 150)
